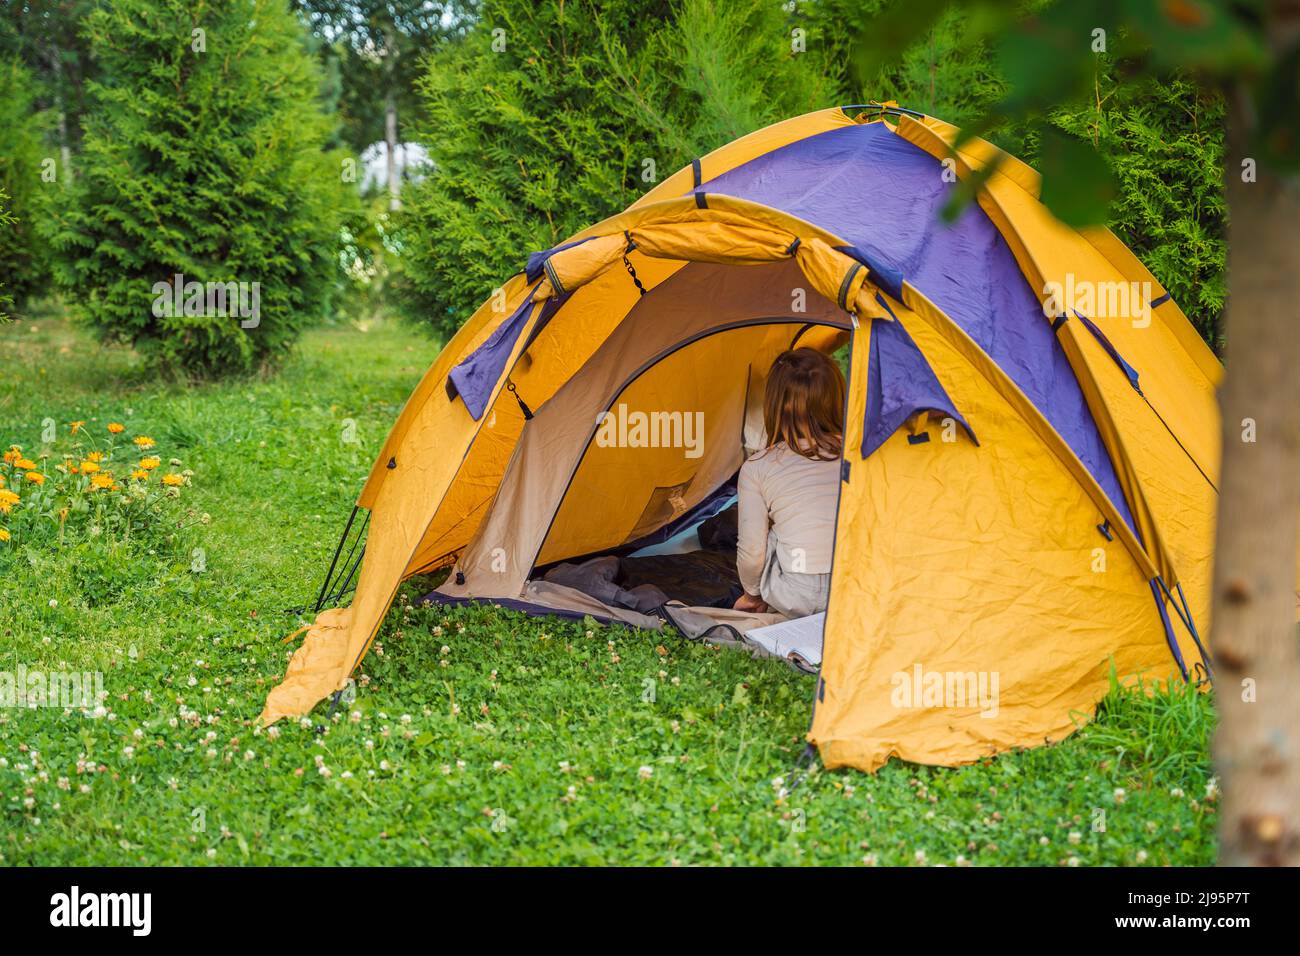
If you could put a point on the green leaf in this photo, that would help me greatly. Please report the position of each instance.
(1078, 186)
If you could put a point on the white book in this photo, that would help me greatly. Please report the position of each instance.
(800, 637)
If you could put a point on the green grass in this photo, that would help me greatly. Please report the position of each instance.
(523, 743)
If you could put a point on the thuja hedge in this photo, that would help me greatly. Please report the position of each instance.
(203, 183)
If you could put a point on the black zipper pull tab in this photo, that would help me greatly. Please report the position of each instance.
(528, 412)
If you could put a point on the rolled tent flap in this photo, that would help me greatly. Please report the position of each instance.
(475, 377)
(726, 238)
(318, 668)
(900, 383)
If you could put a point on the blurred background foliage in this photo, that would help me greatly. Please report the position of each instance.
(482, 131)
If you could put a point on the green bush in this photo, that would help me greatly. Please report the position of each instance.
(1164, 141)
(547, 117)
(6, 225)
(24, 266)
(202, 158)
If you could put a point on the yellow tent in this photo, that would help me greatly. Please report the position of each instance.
(1030, 458)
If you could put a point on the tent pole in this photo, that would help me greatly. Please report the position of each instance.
(337, 551)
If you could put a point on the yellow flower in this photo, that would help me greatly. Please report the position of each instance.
(35, 477)
(140, 475)
(102, 480)
(4, 534)
(149, 464)
(95, 456)
(144, 441)
(115, 429)
(173, 480)
(89, 467)
(13, 454)
(7, 500)
(24, 464)
(75, 426)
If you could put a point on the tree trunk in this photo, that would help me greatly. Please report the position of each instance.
(390, 141)
(1254, 640)
(60, 111)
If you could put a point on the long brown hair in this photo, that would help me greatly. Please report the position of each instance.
(804, 404)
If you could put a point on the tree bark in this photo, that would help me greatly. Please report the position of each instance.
(1254, 639)
(390, 141)
(391, 53)
(65, 152)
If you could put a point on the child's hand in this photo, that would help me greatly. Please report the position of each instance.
(751, 603)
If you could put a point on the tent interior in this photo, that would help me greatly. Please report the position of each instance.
(641, 443)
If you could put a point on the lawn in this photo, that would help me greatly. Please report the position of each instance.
(477, 736)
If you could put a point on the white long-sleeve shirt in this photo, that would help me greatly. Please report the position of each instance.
(796, 498)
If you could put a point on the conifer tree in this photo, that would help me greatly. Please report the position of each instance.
(25, 178)
(202, 169)
(552, 115)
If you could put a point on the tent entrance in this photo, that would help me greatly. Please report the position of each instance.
(645, 429)
(647, 515)
(674, 432)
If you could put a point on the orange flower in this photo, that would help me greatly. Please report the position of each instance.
(102, 480)
(115, 429)
(7, 500)
(89, 467)
(144, 441)
(149, 464)
(24, 464)
(13, 454)
(173, 480)
(35, 477)
(95, 456)
(75, 426)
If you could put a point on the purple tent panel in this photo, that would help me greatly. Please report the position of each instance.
(900, 383)
(883, 196)
(476, 376)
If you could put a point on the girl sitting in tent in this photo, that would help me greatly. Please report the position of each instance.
(789, 490)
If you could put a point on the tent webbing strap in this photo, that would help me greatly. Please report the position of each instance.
(523, 406)
(1185, 615)
(627, 263)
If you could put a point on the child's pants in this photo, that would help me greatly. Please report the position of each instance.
(792, 593)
